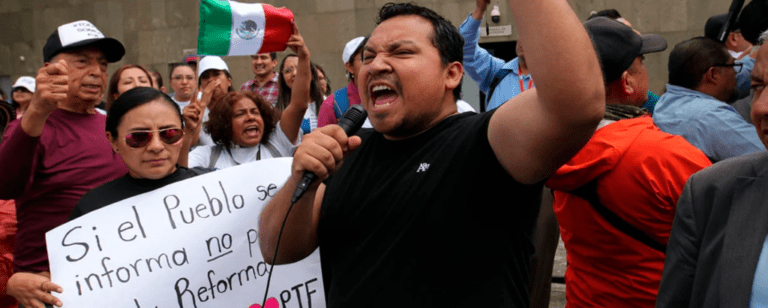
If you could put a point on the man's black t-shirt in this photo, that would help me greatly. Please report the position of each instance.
(124, 188)
(431, 221)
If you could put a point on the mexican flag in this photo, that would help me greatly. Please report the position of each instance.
(229, 28)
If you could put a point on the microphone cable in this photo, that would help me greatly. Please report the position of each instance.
(350, 122)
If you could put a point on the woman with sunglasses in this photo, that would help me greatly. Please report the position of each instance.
(144, 126)
(245, 127)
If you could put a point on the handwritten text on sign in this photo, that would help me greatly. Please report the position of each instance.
(190, 244)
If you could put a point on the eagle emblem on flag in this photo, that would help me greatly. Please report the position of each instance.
(247, 30)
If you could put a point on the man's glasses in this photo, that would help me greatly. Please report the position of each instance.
(736, 66)
(141, 138)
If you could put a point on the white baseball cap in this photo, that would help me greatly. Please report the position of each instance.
(211, 62)
(25, 82)
(79, 34)
(350, 48)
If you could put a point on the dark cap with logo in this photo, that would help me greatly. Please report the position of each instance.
(79, 34)
(617, 45)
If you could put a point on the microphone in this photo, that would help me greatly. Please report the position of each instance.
(733, 12)
(350, 122)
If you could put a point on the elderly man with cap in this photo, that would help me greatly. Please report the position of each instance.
(57, 151)
(265, 82)
(615, 200)
(335, 105)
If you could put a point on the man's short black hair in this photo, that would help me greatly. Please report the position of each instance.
(610, 13)
(691, 59)
(446, 38)
(753, 20)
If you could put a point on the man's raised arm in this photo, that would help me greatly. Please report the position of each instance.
(537, 131)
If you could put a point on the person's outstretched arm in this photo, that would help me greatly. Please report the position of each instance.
(536, 132)
(21, 148)
(480, 65)
(290, 120)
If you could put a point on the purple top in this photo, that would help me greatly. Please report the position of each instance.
(47, 175)
(326, 115)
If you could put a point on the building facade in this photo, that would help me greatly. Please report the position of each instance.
(156, 33)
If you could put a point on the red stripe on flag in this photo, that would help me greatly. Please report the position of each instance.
(278, 28)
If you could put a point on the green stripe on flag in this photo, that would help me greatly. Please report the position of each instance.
(215, 28)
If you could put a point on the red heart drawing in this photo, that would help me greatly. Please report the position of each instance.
(271, 303)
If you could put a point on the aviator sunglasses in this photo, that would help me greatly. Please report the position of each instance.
(141, 138)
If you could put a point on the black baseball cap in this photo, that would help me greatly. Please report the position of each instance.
(80, 34)
(714, 25)
(617, 45)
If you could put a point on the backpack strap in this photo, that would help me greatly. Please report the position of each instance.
(215, 153)
(340, 102)
(588, 192)
(272, 150)
(495, 83)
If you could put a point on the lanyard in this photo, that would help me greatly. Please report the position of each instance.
(522, 85)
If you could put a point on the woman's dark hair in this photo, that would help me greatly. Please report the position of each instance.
(158, 77)
(284, 95)
(170, 75)
(116, 79)
(691, 59)
(327, 90)
(219, 124)
(445, 37)
(200, 80)
(610, 13)
(134, 98)
(7, 114)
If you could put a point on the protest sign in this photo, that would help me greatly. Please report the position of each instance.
(193, 243)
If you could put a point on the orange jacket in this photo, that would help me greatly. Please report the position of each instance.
(640, 173)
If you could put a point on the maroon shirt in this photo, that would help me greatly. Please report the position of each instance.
(47, 175)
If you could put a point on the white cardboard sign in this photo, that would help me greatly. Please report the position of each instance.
(193, 243)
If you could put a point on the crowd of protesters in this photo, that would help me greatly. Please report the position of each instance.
(660, 200)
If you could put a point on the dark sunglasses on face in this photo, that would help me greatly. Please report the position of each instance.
(140, 139)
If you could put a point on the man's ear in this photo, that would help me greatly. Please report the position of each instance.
(712, 75)
(627, 83)
(454, 74)
(731, 40)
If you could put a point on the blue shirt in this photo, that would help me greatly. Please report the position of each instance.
(707, 123)
(482, 67)
(759, 298)
(743, 78)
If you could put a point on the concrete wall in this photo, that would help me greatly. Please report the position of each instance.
(155, 32)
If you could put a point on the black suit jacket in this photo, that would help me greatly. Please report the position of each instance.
(717, 235)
